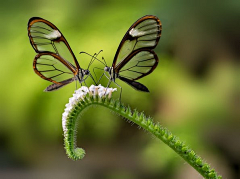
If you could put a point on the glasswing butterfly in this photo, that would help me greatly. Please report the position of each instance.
(135, 57)
(53, 52)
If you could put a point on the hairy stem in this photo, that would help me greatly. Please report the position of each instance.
(140, 119)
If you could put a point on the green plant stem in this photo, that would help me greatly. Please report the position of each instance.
(138, 118)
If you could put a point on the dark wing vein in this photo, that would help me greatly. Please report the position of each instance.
(52, 67)
(36, 26)
(138, 64)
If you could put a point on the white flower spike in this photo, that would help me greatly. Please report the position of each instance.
(79, 95)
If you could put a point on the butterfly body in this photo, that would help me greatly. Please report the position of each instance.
(81, 74)
(113, 75)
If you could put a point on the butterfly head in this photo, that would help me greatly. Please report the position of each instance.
(108, 69)
(81, 74)
(86, 72)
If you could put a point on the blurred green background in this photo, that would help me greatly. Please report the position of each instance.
(195, 91)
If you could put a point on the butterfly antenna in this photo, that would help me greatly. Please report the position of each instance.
(92, 78)
(92, 60)
(93, 56)
(102, 57)
(99, 52)
(104, 61)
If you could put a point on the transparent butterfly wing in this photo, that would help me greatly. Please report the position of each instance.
(46, 37)
(53, 68)
(143, 34)
(137, 65)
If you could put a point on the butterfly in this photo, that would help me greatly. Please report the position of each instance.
(135, 57)
(55, 60)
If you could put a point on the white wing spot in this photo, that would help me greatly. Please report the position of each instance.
(134, 32)
(53, 35)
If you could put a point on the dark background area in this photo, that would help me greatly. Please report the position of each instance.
(195, 91)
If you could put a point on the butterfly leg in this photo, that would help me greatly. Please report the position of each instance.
(76, 84)
(107, 77)
(120, 97)
(84, 80)
(109, 82)
(96, 75)
(92, 79)
(100, 78)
